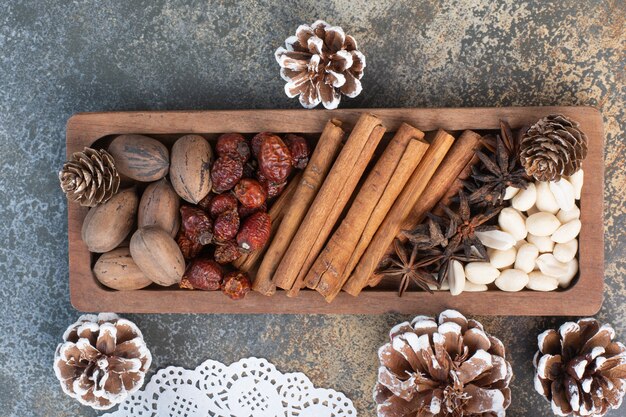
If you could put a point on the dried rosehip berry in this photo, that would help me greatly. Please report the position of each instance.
(299, 150)
(202, 274)
(250, 193)
(221, 203)
(196, 225)
(225, 173)
(256, 141)
(236, 285)
(255, 232)
(189, 249)
(245, 212)
(272, 190)
(274, 159)
(226, 226)
(204, 203)
(227, 252)
(233, 145)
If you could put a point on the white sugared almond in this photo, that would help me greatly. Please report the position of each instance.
(572, 269)
(481, 273)
(551, 266)
(525, 199)
(567, 232)
(543, 243)
(564, 194)
(471, 287)
(526, 257)
(512, 280)
(456, 278)
(513, 222)
(565, 252)
(545, 199)
(569, 215)
(576, 179)
(542, 224)
(538, 281)
(502, 258)
(510, 192)
(496, 239)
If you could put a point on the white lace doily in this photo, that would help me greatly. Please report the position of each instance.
(251, 387)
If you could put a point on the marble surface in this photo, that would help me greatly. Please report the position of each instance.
(62, 57)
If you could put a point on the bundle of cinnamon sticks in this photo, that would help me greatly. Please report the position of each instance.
(324, 242)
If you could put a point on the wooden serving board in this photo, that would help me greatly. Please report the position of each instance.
(584, 297)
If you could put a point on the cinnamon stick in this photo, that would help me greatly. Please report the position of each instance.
(457, 185)
(248, 262)
(455, 161)
(392, 224)
(341, 254)
(319, 164)
(329, 203)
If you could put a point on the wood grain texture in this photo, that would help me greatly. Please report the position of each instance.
(584, 297)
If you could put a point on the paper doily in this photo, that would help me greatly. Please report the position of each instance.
(251, 387)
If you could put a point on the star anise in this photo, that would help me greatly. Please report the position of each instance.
(410, 268)
(499, 169)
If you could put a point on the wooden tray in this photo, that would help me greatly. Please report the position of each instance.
(583, 298)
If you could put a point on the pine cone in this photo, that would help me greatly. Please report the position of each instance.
(580, 369)
(553, 147)
(320, 63)
(90, 177)
(103, 360)
(450, 369)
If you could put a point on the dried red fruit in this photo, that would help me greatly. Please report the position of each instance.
(227, 252)
(250, 193)
(255, 232)
(225, 173)
(245, 212)
(196, 225)
(299, 150)
(226, 226)
(272, 190)
(202, 274)
(255, 143)
(204, 203)
(236, 285)
(189, 249)
(274, 159)
(233, 145)
(221, 203)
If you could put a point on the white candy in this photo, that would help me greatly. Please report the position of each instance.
(456, 278)
(496, 239)
(471, 287)
(502, 258)
(542, 224)
(565, 252)
(569, 215)
(545, 199)
(551, 266)
(577, 181)
(572, 269)
(513, 222)
(543, 243)
(525, 199)
(481, 273)
(567, 232)
(564, 194)
(512, 280)
(541, 282)
(510, 192)
(526, 257)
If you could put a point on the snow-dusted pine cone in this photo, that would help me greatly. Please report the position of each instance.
(103, 359)
(580, 369)
(320, 63)
(446, 368)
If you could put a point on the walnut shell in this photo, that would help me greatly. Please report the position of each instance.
(139, 157)
(107, 225)
(190, 168)
(158, 256)
(159, 206)
(117, 269)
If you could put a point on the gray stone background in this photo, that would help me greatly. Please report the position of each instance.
(61, 57)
